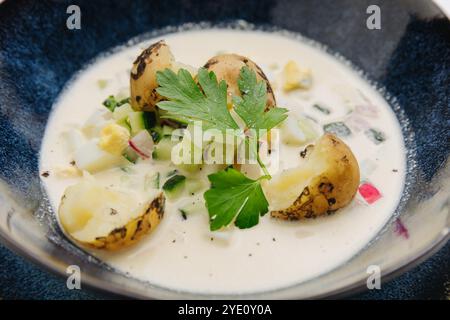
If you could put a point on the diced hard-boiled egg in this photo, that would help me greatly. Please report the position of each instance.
(67, 171)
(298, 131)
(107, 218)
(295, 77)
(114, 138)
(92, 158)
(96, 122)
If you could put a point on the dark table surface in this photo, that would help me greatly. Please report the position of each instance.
(20, 279)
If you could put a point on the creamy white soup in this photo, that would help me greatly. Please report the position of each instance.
(182, 253)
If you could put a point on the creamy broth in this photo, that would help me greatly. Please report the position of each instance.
(182, 254)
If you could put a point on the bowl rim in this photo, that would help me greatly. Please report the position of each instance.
(114, 289)
(110, 288)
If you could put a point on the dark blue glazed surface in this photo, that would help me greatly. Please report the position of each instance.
(410, 56)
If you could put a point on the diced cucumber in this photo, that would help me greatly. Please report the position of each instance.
(171, 173)
(140, 121)
(122, 112)
(127, 169)
(149, 120)
(156, 133)
(307, 127)
(137, 122)
(189, 168)
(174, 187)
(167, 131)
(151, 181)
(130, 155)
(124, 123)
(190, 150)
(217, 152)
(163, 150)
(195, 185)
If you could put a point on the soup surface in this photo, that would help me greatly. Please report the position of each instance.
(182, 254)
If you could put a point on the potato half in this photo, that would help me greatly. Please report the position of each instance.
(327, 181)
(103, 218)
(143, 82)
(228, 66)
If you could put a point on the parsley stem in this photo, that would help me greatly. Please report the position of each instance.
(263, 167)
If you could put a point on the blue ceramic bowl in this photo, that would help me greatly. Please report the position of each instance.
(409, 57)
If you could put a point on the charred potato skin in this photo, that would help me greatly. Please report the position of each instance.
(228, 66)
(134, 230)
(330, 191)
(143, 82)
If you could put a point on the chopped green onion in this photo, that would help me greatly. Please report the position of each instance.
(321, 108)
(375, 136)
(337, 128)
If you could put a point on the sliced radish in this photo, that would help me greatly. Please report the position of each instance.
(142, 144)
(369, 192)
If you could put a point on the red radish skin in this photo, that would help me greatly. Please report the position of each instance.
(136, 149)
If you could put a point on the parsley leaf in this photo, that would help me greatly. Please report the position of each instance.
(232, 195)
(187, 102)
(251, 106)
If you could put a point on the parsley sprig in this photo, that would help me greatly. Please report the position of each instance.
(251, 106)
(232, 195)
(187, 103)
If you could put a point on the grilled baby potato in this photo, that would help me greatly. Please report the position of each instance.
(327, 181)
(228, 66)
(103, 218)
(143, 75)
